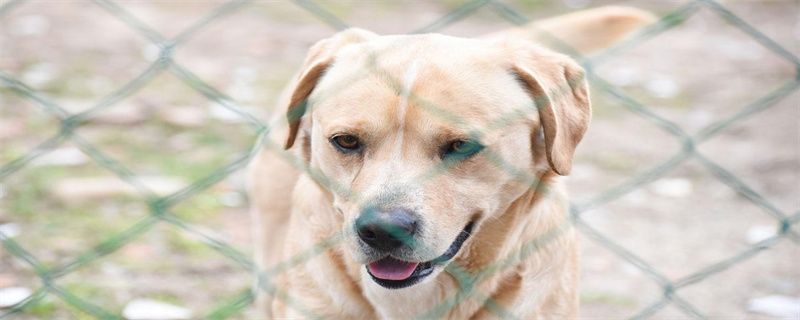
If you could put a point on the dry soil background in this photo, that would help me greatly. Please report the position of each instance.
(76, 53)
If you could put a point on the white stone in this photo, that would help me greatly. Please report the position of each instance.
(759, 233)
(587, 171)
(13, 295)
(121, 114)
(631, 270)
(637, 197)
(184, 116)
(76, 105)
(151, 52)
(163, 185)
(699, 118)
(776, 306)
(596, 216)
(31, 25)
(147, 309)
(232, 199)
(736, 49)
(99, 85)
(10, 229)
(577, 4)
(241, 91)
(86, 188)
(245, 74)
(672, 187)
(662, 87)
(39, 74)
(624, 76)
(69, 156)
(222, 113)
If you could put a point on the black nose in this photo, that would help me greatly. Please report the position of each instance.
(386, 230)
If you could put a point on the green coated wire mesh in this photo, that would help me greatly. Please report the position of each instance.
(161, 208)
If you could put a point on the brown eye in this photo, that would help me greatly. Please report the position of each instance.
(457, 147)
(461, 149)
(346, 143)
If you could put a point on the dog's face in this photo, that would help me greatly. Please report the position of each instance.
(419, 140)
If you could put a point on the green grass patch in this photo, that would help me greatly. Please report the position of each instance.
(607, 298)
(44, 309)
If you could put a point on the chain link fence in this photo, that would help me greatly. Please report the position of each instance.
(161, 207)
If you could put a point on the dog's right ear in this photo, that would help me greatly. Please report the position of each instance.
(319, 59)
(560, 92)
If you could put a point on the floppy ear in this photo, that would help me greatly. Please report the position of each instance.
(559, 89)
(319, 59)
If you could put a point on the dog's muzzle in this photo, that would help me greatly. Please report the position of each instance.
(392, 273)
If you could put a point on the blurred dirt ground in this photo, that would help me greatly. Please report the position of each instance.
(76, 53)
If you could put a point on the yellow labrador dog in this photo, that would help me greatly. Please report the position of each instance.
(420, 176)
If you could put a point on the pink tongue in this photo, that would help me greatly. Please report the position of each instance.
(392, 269)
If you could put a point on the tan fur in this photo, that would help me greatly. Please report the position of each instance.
(405, 97)
(585, 31)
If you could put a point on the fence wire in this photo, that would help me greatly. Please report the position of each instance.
(160, 207)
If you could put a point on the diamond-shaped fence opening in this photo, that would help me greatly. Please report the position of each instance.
(44, 48)
(762, 279)
(620, 292)
(396, 17)
(189, 276)
(164, 17)
(693, 85)
(113, 94)
(175, 145)
(683, 202)
(221, 211)
(23, 126)
(47, 306)
(613, 156)
(63, 206)
(250, 52)
(18, 279)
(765, 165)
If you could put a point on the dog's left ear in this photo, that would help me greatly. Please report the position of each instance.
(560, 91)
(320, 57)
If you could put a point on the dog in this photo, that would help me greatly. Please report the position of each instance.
(418, 175)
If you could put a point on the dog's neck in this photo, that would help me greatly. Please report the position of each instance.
(536, 213)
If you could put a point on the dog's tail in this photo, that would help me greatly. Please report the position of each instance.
(586, 31)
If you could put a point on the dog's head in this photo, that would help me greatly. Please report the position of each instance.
(419, 139)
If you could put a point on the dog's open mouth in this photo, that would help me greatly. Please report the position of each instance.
(393, 273)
